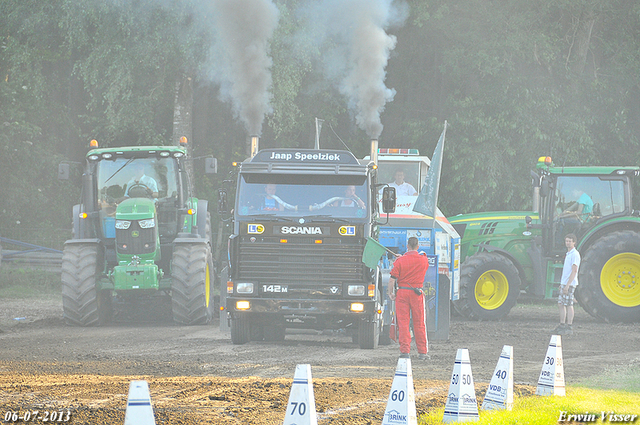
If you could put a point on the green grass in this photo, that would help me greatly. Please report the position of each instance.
(28, 283)
(623, 378)
(546, 410)
(616, 390)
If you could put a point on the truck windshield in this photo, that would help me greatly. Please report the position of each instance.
(135, 177)
(286, 197)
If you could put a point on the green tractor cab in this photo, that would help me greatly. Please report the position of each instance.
(506, 254)
(138, 233)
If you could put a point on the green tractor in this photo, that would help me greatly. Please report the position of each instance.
(507, 253)
(138, 233)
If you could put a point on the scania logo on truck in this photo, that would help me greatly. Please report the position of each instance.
(293, 230)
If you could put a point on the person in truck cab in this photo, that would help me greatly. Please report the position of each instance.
(272, 202)
(402, 187)
(350, 199)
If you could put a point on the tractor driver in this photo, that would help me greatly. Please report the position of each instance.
(142, 181)
(403, 188)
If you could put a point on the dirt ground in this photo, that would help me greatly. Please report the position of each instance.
(196, 375)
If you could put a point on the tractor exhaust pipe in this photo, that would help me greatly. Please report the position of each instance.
(536, 199)
(254, 146)
(374, 151)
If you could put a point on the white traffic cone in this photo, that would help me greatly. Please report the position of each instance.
(461, 405)
(401, 405)
(499, 395)
(301, 409)
(139, 409)
(551, 381)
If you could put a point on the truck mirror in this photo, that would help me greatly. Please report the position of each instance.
(63, 171)
(388, 200)
(223, 206)
(210, 165)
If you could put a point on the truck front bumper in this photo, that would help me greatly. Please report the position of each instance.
(304, 310)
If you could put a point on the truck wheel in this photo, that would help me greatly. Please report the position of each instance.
(240, 330)
(368, 334)
(192, 277)
(609, 278)
(489, 287)
(82, 303)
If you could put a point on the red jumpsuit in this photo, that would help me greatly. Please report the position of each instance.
(409, 271)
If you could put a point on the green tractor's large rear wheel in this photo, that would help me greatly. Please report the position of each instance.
(489, 287)
(82, 303)
(192, 280)
(609, 278)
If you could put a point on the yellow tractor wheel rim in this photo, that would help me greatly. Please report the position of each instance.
(620, 279)
(492, 289)
(207, 286)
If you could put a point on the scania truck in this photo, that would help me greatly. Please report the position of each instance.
(300, 224)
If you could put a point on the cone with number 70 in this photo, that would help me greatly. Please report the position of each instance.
(301, 409)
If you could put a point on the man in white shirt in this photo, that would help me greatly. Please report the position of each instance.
(140, 179)
(568, 284)
(402, 188)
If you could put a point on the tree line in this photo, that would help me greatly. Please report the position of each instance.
(515, 79)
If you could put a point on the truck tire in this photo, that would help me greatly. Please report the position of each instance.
(368, 334)
(82, 303)
(192, 276)
(240, 330)
(489, 287)
(609, 278)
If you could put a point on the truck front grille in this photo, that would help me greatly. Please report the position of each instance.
(301, 261)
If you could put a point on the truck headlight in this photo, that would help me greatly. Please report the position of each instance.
(244, 288)
(123, 224)
(355, 290)
(357, 307)
(243, 305)
(147, 224)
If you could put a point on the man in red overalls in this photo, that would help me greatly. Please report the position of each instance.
(408, 272)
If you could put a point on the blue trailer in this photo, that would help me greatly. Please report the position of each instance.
(437, 238)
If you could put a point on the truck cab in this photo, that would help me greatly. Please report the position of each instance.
(300, 223)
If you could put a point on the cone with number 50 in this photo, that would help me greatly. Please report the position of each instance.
(461, 405)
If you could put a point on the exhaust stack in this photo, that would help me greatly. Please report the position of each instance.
(536, 199)
(254, 146)
(374, 151)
